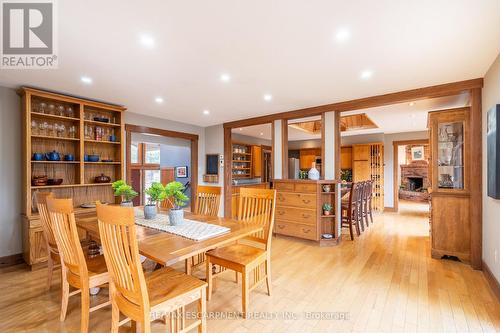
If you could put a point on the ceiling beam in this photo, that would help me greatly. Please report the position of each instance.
(448, 89)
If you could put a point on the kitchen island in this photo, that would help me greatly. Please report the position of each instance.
(299, 210)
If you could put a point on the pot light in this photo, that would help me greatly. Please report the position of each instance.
(261, 133)
(411, 103)
(241, 129)
(206, 112)
(86, 79)
(159, 100)
(267, 97)
(342, 35)
(366, 74)
(225, 77)
(147, 41)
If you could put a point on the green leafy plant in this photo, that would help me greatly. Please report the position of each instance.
(327, 207)
(123, 190)
(156, 193)
(346, 175)
(175, 194)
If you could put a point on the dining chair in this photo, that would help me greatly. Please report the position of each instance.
(207, 204)
(351, 210)
(78, 271)
(369, 207)
(53, 259)
(364, 204)
(257, 206)
(144, 297)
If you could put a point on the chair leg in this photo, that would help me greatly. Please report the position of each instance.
(64, 294)
(350, 228)
(115, 312)
(268, 276)
(50, 270)
(202, 311)
(244, 292)
(359, 216)
(84, 325)
(236, 277)
(356, 220)
(370, 210)
(209, 278)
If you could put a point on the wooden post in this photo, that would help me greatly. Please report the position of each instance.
(476, 177)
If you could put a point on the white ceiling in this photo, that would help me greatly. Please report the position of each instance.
(286, 48)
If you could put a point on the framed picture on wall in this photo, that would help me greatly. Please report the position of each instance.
(417, 153)
(181, 172)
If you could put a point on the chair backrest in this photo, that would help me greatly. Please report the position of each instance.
(121, 252)
(207, 200)
(370, 189)
(41, 199)
(62, 218)
(258, 205)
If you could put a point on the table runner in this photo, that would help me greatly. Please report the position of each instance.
(190, 229)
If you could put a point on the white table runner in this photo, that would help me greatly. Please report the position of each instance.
(190, 229)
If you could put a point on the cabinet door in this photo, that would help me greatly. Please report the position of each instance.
(360, 171)
(360, 152)
(256, 161)
(307, 157)
(346, 158)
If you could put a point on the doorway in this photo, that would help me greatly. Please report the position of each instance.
(156, 155)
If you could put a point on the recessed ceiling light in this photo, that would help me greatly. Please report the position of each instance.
(206, 112)
(225, 77)
(86, 79)
(241, 129)
(342, 35)
(159, 100)
(411, 103)
(268, 97)
(261, 133)
(366, 74)
(147, 41)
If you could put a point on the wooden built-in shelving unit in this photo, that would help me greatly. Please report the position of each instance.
(65, 124)
(241, 161)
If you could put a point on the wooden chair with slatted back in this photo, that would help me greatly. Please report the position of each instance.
(77, 271)
(138, 296)
(350, 211)
(207, 204)
(53, 259)
(257, 206)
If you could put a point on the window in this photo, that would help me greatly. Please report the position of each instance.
(134, 153)
(151, 153)
(150, 176)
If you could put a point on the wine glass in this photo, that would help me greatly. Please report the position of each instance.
(34, 127)
(43, 127)
(50, 129)
(42, 107)
(60, 110)
(61, 130)
(52, 109)
(72, 131)
(69, 112)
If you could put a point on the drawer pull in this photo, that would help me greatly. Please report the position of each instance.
(281, 212)
(281, 226)
(280, 198)
(306, 201)
(306, 230)
(306, 216)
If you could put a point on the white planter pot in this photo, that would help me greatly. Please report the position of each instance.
(127, 204)
(150, 212)
(176, 216)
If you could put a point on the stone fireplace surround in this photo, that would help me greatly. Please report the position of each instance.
(411, 173)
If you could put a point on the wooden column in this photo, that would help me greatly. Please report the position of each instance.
(338, 142)
(476, 176)
(278, 149)
(228, 157)
(284, 149)
(194, 173)
(329, 141)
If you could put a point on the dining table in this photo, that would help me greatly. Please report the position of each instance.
(167, 249)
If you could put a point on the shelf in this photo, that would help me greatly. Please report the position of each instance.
(241, 168)
(106, 142)
(53, 116)
(54, 138)
(244, 161)
(56, 162)
(69, 185)
(100, 123)
(327, 216)
(104, 163)
(246, 154)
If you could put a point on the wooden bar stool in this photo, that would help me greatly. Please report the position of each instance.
(351, 211)
(77, 271)
(258, 206)
(53, 258)
(143, 298)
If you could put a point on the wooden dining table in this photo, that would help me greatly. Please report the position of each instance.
(167, 249)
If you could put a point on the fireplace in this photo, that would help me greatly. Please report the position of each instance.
(415, 183)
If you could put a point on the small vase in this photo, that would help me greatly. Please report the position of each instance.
(150, 212)
(326, 212)
(313, 174)
(176, 216)
(127, 204)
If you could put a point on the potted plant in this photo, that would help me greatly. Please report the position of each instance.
(156, 193)
(175, 195)
(125, 191)
(327, 208)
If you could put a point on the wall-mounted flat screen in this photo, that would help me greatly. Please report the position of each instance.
(212, 164)
(493, 152)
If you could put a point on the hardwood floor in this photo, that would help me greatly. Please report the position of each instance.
(384, 281)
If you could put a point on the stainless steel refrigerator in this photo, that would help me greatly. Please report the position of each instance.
(293, 168)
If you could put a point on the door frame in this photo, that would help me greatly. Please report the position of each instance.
(193, 138)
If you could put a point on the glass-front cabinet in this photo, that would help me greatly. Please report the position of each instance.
(448, 140)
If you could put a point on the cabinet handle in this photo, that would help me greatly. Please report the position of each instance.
(306, 201)
(281, 212)
(306, 216)
(306, 230)
(280, 198)
(281, 226)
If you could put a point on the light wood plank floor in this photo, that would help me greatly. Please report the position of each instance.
(384, 281)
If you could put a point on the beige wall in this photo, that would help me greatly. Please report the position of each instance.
(491, 207)
(10, 172)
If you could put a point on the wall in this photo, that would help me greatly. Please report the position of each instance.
(491, 207)
(10, 172)
(359, 139)
(304, 144)
(214, 144)
(251, 140)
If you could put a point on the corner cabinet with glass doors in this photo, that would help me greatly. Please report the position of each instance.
(450, 196)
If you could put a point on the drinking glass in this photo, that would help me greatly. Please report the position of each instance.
(60, 110)
(43, 127)
(34, 127)
(50, 129)
(72, 131)
(52, 109)
(69, 112)
(61, 130)
(42, 107)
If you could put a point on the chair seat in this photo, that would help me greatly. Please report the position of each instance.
(238, 253)
(96, 265)
(166, 283)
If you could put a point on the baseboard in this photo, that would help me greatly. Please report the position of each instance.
(492, 281)
(389, 209)
(11, 260)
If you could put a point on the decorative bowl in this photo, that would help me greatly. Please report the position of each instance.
(39, 181)
(55, 181)
(102, 179)
(93, 158)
